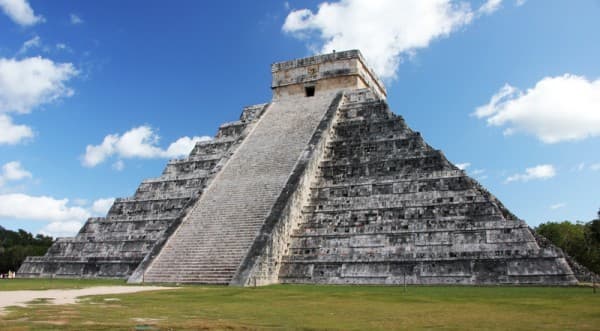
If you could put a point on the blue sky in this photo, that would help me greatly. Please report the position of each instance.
(96, 96)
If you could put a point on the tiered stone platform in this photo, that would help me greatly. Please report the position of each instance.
(389, 209)
(115, 245)
(323, 185)
(212, 241)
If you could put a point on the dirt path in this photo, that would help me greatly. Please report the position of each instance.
(66, 296)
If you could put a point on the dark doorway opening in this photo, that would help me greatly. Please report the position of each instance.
(309, 91)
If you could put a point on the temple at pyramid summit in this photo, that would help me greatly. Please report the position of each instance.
(324, 184)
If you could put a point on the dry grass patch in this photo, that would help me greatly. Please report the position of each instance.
(285, 307)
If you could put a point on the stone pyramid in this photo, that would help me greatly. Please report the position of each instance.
(322, 185)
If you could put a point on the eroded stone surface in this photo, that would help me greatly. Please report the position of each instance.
(214, 238)
(135, 227)
(324, 185)
(388, 209)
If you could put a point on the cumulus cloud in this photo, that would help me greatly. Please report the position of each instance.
(14, 171)
(542, 172)
(75, 19)
(562, 108)
(63, 219)
(385, 30)
(61, 229)
(140, 142)
(28, 83)
(183, 146)
(20, 12)
(101, 206)
(463, 166)
(39, 208)
(11, 133)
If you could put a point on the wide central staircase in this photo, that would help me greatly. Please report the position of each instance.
(215, 237)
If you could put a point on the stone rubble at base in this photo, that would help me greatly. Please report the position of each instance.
(331, 189)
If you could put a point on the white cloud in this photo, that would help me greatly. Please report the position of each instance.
(39, 208)
(558, 206)
(34, 42)
(463, 166)
(385, 31)
(96, 154)
(140, 142)
(62, 229)
(595, 167)
(13, 171)
(101, 206)
(28, 83)
(520, 2)
(63, 219)
(183, 146)
(75, 19)
(20, 12)
(543, 171)
(11, 133)
(489, 7)
(562, 108)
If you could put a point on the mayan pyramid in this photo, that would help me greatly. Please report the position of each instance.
(324, 184)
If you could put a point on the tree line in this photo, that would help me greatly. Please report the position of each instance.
(579, 240)
(15, 246)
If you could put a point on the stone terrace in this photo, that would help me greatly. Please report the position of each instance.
(388, 209)
(213, 240)
(113, 246)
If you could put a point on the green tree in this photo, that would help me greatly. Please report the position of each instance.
(15, 246)
(579, 240)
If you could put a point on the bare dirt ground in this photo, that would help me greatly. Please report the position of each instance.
(67, 296)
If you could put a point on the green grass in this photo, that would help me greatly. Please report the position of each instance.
(54, 283)
(284, 307)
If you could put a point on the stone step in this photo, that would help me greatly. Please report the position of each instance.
(231, 212)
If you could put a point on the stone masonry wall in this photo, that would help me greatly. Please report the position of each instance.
(115, 245)
(388, 209)
(217, 234)
(263, 260)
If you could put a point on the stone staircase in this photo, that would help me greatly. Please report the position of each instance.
(213, 240)
(115, 245)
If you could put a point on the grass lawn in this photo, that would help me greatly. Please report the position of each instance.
(49, 283)
(284, 307)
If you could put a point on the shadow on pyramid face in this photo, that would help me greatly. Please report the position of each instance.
(323, 185)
